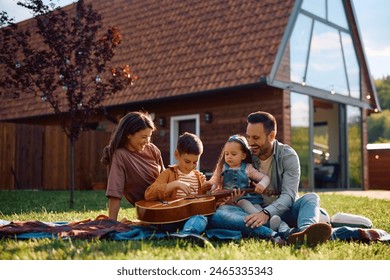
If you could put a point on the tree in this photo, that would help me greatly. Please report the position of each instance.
(69, 68)
(383, 89)
(379, 124)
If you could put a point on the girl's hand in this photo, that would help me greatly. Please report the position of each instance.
(259, 188)
(237, 194)
(206, 186)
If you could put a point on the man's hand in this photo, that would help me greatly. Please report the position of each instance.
(256, 219)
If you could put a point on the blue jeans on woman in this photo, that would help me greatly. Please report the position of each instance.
(304, 212)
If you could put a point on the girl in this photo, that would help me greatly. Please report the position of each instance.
(234, 170)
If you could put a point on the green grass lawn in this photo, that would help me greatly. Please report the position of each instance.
(54, 206)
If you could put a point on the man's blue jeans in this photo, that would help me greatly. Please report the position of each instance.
(303, 213)
(231, 217)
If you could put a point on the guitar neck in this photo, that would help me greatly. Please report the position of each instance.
(225, 193)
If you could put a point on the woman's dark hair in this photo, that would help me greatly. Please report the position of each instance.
(130, 124)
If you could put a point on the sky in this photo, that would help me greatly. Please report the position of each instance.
(373, 18)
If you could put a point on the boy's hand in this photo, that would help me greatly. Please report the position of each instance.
(185, 187)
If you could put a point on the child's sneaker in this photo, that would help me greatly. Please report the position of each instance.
(274, 223)
(283, 227)
(278, 238)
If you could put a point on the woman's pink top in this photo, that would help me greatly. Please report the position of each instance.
(130, 173)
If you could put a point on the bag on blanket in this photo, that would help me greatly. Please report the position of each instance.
(350, 220)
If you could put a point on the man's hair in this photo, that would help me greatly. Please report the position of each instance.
(265, 118)
(189, 143)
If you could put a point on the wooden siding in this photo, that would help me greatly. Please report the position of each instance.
(37, 157)
(7, 155)
(379, 162)
(28, 156)
(229, 112)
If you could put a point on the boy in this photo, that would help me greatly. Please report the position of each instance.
(179, 180)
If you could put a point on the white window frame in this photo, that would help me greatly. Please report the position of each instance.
(174, 125)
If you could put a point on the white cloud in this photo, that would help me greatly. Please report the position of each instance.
(385, 52)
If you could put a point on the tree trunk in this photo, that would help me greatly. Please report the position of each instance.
(72, 180)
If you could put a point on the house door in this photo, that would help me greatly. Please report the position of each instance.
(179, 125)
(327, 133)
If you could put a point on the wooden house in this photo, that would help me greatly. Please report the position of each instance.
(203, 66)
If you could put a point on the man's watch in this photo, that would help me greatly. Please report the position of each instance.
(267, 213)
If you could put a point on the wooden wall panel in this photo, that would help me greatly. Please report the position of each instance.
(229, 112)
(56, 159)
(378, 163)
(88, 152)
(29, 156)
(7, 156)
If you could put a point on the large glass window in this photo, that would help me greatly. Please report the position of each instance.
(300, 136)
(354, 146)
(336, 13)
(352, 65)
(321, 51)
(326, 64)
(299, 46)
(316, 7)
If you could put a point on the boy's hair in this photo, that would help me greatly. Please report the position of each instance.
(189, 143)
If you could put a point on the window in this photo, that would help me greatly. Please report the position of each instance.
(354, 146)
(300, 137)
(321, 50)
(179, 125)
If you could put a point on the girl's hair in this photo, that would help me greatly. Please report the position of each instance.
(244, 147)
(130, 124)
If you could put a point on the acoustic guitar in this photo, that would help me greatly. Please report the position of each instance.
(180, 209)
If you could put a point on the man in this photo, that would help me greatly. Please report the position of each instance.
(281, 163)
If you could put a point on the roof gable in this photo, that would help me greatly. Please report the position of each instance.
(180, 47)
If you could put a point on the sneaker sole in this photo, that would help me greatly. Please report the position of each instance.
(313, 235)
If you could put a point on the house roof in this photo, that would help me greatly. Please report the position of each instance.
(178, 47)
(183, 47)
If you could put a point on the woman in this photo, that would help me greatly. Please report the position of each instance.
(133, 161)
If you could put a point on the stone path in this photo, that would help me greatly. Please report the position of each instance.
(380, 194)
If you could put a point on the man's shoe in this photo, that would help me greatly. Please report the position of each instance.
(312, 235)
(371, 235)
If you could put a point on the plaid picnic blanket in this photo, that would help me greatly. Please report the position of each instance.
(101, 227)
